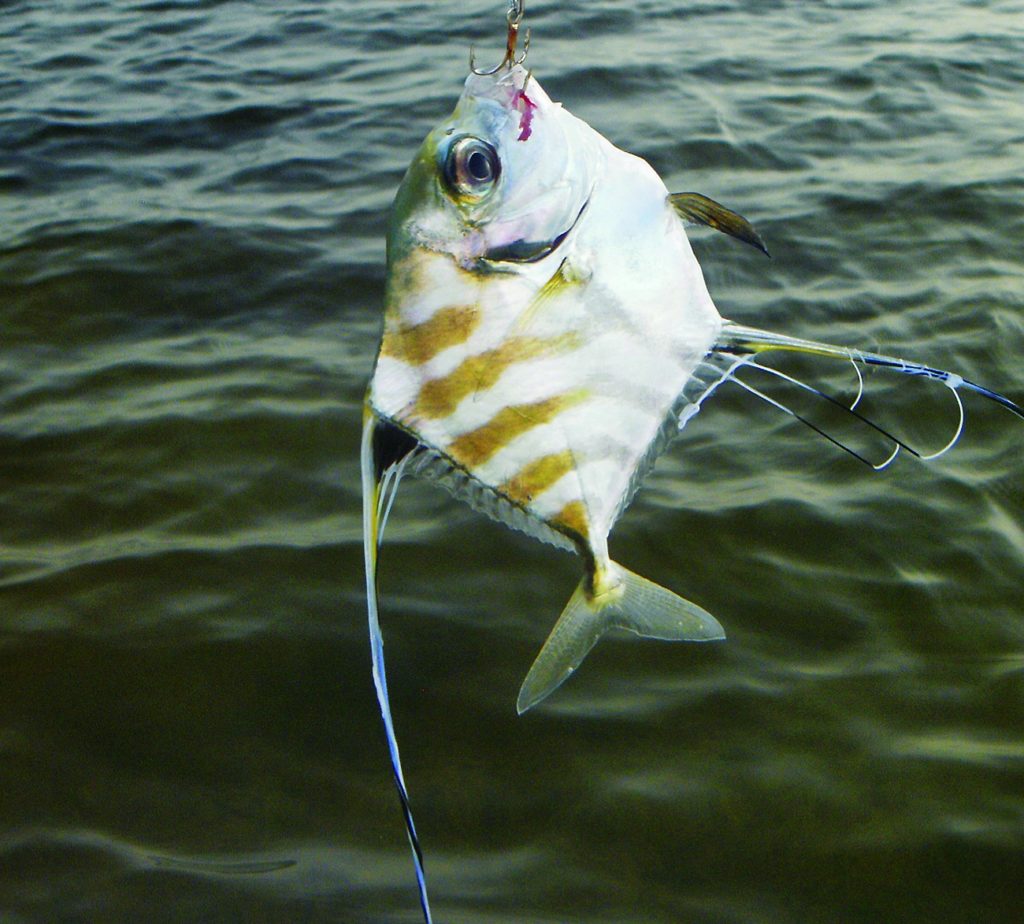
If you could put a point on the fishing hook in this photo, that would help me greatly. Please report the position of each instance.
(514, 17)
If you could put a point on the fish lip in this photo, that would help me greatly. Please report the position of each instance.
(523, 252)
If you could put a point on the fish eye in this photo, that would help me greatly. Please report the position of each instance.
(471, 168)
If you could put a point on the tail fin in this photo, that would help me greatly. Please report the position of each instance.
(626, 601)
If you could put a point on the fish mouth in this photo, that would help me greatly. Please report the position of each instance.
(522, 251)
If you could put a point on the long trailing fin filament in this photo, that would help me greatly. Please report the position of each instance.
(378, 496)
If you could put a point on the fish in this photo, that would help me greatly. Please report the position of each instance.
(547, 332)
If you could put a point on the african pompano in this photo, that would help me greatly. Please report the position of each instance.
(547, 329)
(544, 312)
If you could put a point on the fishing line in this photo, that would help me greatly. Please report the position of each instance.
(860, 384)
(848, 410)
(813, 426)
(959, 428)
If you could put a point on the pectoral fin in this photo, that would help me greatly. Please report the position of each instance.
(694, 207)
(627, 601)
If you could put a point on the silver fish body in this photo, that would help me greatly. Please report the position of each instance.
(547, 331)
(537, 337)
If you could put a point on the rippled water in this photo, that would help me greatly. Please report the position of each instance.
(193, 199)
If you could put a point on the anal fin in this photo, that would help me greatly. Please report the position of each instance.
(385, 450)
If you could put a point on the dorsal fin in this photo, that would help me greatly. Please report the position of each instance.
(743, 345)
(694, 207)
(738, 338)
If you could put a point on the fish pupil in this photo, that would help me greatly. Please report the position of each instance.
(479, 166)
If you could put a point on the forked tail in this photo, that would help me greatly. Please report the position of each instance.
(614, 598)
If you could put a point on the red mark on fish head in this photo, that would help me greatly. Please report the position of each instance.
(525, 105)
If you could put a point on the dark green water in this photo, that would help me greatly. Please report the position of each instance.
(193, 202)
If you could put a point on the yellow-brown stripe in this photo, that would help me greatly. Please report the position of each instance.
(440, 397)
(537, 476)
(479, 445)
(573, 517)
(418, 343)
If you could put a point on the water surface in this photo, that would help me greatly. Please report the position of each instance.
(193, 201)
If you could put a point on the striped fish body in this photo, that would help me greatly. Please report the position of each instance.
(546, 329)
(544, 311)
(545, 377)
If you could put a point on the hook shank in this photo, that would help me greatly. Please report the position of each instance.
(514, 18)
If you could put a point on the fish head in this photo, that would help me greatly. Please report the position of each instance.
(498, 183)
